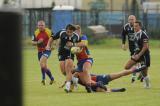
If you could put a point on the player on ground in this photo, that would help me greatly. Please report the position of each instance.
(99, 80)
(67, 39)
(40, 39)
(141, 51)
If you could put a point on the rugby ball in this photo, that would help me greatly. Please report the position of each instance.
(75, 50)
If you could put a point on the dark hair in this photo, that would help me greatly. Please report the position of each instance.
(71, 27)
(139, 22)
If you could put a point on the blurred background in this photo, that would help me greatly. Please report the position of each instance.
(98, 18)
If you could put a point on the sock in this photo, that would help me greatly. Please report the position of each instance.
(134, 74)
(48, 72)
(43, 74)
(138, 69)
(74, 80)
(146, 82)
(118, 90)
(68, 84)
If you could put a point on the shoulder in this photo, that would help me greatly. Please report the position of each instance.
(144, 34)
(61, 32)
(48, 31)
(76, 35)
(83, 37)
(36, 31)
(126, 25)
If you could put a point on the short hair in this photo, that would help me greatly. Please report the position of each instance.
(139, 22)
(71, 27)
(78, 27)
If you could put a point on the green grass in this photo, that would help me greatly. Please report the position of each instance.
(106, 60)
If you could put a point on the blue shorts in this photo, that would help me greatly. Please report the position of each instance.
(81, 63)
(103, 78)
(45, 53)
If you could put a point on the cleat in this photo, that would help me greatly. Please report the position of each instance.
(122, 90)
(132, 80)
(119, 90)
(43, 82)
(51, 82)
(141, 79)
(67, 91)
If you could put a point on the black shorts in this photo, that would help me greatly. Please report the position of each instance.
(144, 59)
(63, 57)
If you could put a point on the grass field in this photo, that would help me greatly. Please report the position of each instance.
(106, 60)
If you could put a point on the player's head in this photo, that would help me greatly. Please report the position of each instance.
(131, 19)
(78, 29)
(70, 29)
(41, 25)
(137, 26)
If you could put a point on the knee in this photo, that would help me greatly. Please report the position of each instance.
(43, 65)
(126, 67)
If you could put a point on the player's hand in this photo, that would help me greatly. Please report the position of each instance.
(40, 42)
(69, 44)
(48, 47)
(124, 47)
(136, 57)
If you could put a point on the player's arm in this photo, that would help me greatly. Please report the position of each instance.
(51, 39)
(82, 42)
(35, 42)
(123, 36)
(145, 47)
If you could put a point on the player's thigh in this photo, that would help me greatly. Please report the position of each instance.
(130, 63)
(87, 66)
(68, 63)
(43, 60)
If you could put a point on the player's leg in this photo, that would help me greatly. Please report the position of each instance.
(134, 69)
(43, 64)
(146, 78)
(129, 64)
(68, 69)
(62, 64)
(42, 71)
(86, 75)
(145, 59)
(62, 67)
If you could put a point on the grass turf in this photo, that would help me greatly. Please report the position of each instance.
(106, 60)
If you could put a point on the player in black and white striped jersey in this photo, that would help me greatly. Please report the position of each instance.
(141, 51)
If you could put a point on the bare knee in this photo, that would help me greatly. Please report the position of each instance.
(43, 64)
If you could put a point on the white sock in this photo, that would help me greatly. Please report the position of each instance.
(146, 82)
(75, 80)
(68, 84)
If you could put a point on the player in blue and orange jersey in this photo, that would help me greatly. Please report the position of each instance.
(85, 62)
(40, 39)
